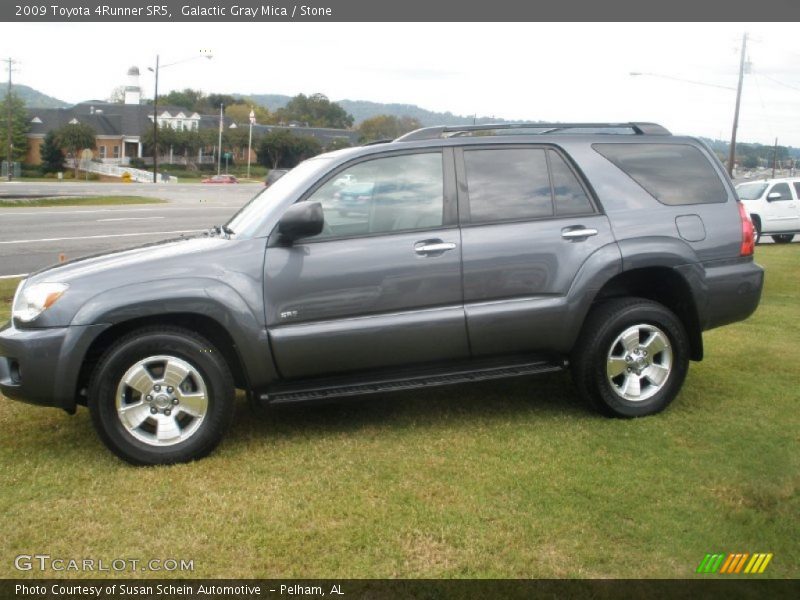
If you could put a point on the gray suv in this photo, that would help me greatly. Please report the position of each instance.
(449, 255)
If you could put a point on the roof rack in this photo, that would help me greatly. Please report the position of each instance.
(432, 133)
(383, 141)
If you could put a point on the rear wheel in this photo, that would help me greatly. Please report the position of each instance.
(161, 396)
(756, 229)
(783, 238)
(631, 358)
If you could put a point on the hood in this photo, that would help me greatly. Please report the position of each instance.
(167, 269)
(168, 254)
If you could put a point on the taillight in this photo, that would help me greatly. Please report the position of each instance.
(748, 235)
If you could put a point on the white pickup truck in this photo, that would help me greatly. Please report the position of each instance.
(773, 206)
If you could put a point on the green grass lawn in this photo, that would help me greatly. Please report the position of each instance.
(78, 201)
(498, 479)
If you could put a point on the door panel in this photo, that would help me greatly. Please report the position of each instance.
(381, 285)
(347, 305)
(783, 214)
(516, 279)
(528, 226)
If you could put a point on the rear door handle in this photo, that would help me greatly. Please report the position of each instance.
(577, 234)
(433, 247)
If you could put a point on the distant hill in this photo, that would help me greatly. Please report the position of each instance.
(722, 148)
(34, 98)
(363, 110)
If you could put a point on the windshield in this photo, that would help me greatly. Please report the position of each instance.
(750, 191)
(246, 222)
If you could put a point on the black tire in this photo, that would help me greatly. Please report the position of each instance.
(783, 238)
(592, 357)
(208, 377)
(756, 229)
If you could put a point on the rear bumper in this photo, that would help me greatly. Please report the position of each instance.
(41, 366)
(733, 291)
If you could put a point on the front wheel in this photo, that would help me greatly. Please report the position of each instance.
(631, 358)
(161, 396)
(783, 238)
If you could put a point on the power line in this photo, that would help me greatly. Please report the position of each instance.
(766, 114)
(791, 87)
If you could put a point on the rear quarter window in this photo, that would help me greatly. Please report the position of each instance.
(674, 174)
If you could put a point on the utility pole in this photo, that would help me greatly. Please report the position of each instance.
(774, 157)
(732, 155)
(219, 153)
(10, 62)
(250, 140)
(155, 127)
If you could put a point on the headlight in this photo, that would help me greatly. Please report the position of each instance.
(30, 302)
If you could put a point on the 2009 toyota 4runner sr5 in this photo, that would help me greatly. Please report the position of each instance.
(447, 255)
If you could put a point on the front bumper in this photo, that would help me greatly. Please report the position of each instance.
(41, 366)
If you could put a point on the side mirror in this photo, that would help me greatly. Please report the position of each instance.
(773, 196)
(303, 219)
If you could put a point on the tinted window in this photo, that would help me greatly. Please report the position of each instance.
(396, 193)
(797, 188)
(672, 173)
(507, 184)
(782, 189)
(570, 198)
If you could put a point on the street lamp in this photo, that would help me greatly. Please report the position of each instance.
(203, 54)
(737, 89)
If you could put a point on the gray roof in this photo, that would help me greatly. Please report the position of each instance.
(109, 118)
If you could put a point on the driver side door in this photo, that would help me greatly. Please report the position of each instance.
(380, 286)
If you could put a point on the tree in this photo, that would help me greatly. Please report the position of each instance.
(52, 156)
(19, 127)
(386, 127)
(316, 110)
(167, 136)
(117, 95)
(240, 113)
(337, 144)
(190, 99)
(750, 161)
(283, 149)
(214, 100)
(73, 138)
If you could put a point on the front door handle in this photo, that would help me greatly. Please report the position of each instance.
(428, 247)
(577, 234)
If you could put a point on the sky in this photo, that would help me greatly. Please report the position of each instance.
(538, 71)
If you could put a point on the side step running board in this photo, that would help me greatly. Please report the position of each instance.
(288, 395)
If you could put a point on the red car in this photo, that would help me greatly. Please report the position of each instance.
(220, 179)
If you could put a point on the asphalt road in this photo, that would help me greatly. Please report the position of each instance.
(33, 238)
(182, 193)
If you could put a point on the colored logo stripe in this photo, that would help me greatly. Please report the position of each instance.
(710, 563)
(734, 563)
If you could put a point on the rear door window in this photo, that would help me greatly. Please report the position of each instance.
(569, 196)
(508, 184)
(674, 174)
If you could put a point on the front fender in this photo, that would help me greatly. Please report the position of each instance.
(201, 296)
